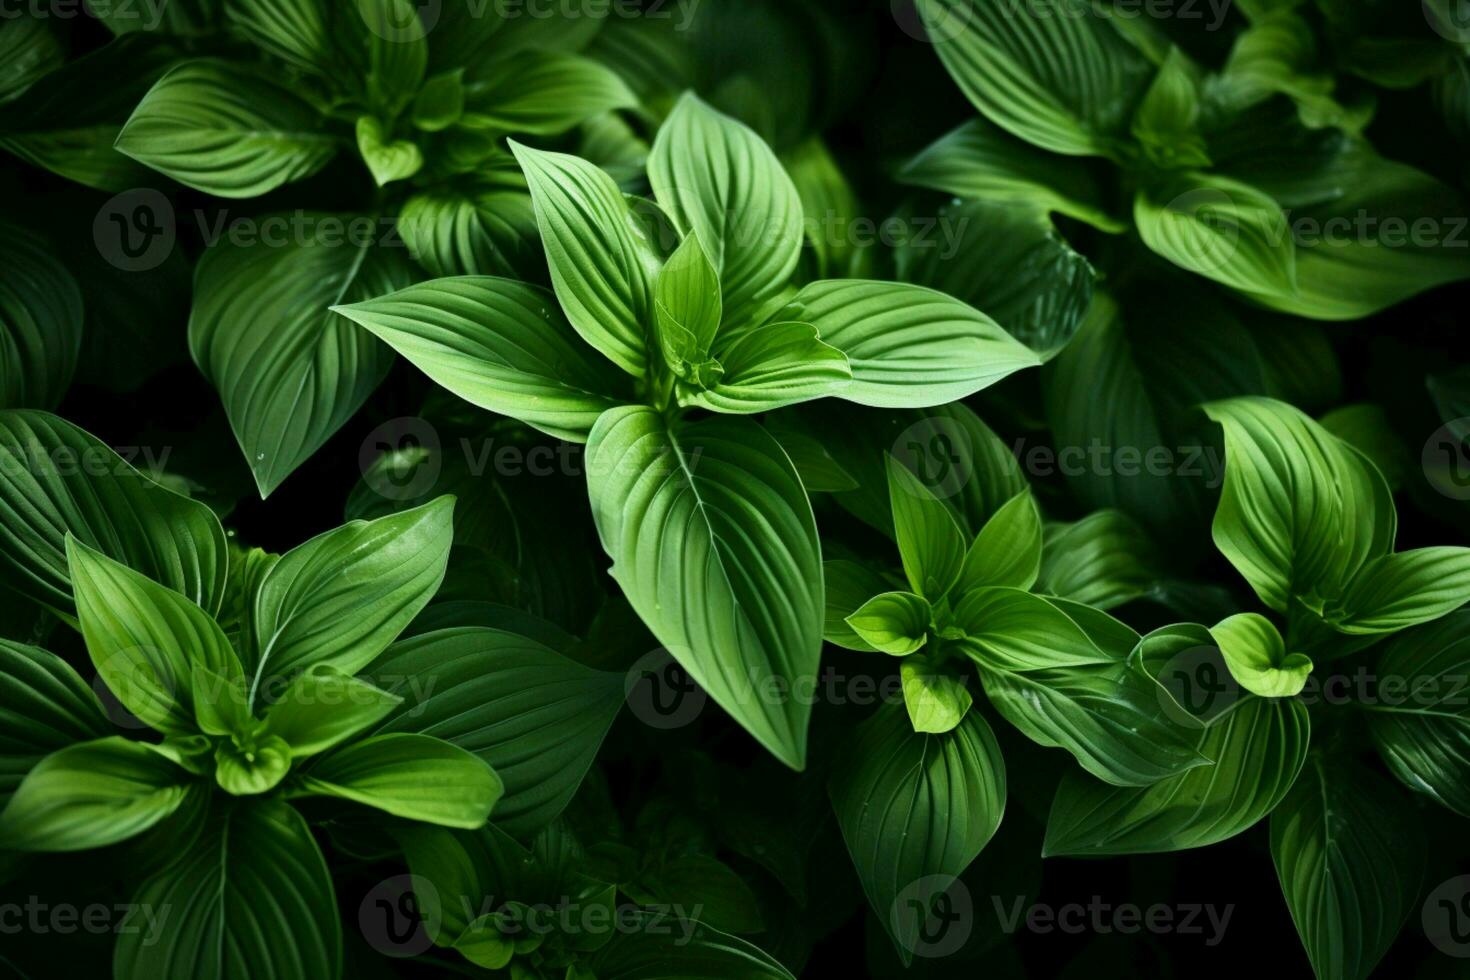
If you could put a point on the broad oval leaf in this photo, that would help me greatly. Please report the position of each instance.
(1257, 749)
(771, 367)
(542, 92)
(342, 597)
(226, 132)
(46, 706)
(56, 480)
(290, 371)
(1396, 591)
(713, 540)
(908, 346)
(915, 806)
(535, 716)
(416, 777)
(500, 345)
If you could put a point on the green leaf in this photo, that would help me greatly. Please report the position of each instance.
(440, 103)
(1220, 228)
(1257, 750)
(290, 371)
(1008, 549)
(849, 585)
(1396, 591)
(542, 92)
(656, 947)
(936, 699)
(688, 307)
(896, 623)
(534, 715)
(341, 598)
(981, 161)
(1422, 730)
(417, 777)
(145, 639)
(771, 367)
(250, 897)
(40, 322)
(47, 707)
(91, 795)
(603, 264)
(714, 543)
(1065, 81)
(1301, 512)
(323, 707)
(398, 160)
(397, 47)
(1167, 120)
(1365, 427)
(1350, 858)
(1103, 560)
(1257, 657)
(717, 179)
(500, 345)
(930, 541)
(226, 132)
(57, 480)
(1010, 629)
(908, 347)
(724, 900)
(28, 50)
(249, 773)
(483, 229)
(915, 806)
(297, 31)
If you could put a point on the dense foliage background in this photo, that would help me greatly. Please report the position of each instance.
(1203, 271)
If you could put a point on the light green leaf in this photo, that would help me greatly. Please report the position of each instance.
(1012, 630)
(896, 623)
(1350, 857)
(501, 345)
(91, 795)
(908, 346)
(542, 92)
(714, 543)
(979, 160)
(1421, 724)
(224, 131)
(1257, 657)
(40, 321)
(1396, 591)
(252, 865)
(250, 773)
(716, 178)
(145, 639)
(398, 160)
(1257, 749)
(47, 707)
(323, 707)
(1065, 82)
(930, 540)
(535, 716)
(771, 367)
(915, 810)
(416, 777)
(1008, 549)
(57, 480)
(342, 597)
(688, 306)
(1301, 512)
(290, 371)
(936, 699)
(1220, 228)
(603, 264)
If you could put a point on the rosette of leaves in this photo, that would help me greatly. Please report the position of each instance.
(247, 727)
(424, 97)
(1253, 177)
(677, 320)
